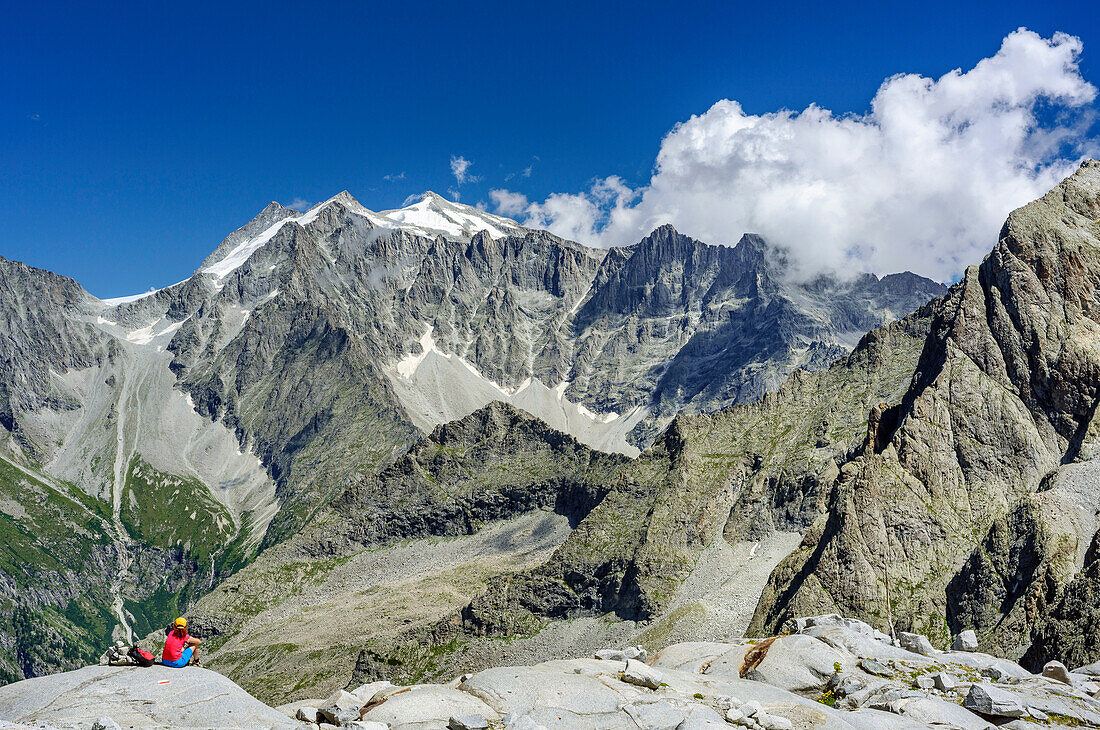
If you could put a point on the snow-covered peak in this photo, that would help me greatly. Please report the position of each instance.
(430, 216)
(345, 199)
(433, 214)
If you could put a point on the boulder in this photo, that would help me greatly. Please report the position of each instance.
(938, 713)
(1057, 671)
(965, 641)
(367, 725)
(772, 722)
(799, 663)
(943, 681)
(308, 714)
(636, 652)
(985, 699)
(641, 674)
(925, 681)
(367, 692)
(290, 709)
(843, 684)
(1090, 670)
(916, 643)
(611, 655)
(995, 673)
(876, 668)
(342, 707)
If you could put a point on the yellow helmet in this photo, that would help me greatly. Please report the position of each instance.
(181, 622)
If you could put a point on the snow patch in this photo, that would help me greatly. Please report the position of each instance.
(236, 258)
(437, 387)
(407, 366)
(145, 335)
(115, 301)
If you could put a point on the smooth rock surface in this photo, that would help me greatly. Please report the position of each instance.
(428, 706)
(190, 698)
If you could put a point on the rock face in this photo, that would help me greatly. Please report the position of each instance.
(989, 439)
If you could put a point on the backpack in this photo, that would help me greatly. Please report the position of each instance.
(141, 656)
(117, 656)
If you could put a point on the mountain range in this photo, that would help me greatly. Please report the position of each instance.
(316, 363)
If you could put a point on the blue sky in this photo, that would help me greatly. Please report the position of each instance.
(134, 138)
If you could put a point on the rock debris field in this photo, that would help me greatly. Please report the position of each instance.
(829, 672)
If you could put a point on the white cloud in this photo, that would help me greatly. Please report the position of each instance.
(299, 203)
(460, 167)
(508, 203)
(454, 194)
(921, 182)
(394, 178)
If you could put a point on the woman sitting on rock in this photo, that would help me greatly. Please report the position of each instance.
(180, 648)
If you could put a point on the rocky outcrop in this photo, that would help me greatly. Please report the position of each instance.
(1001, 402)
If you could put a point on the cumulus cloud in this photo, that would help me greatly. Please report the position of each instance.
(299, 203)
(460, 168)
(921, 182)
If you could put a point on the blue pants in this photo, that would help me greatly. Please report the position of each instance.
(183, 661)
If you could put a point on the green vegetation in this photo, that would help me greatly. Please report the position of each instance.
(169, 511)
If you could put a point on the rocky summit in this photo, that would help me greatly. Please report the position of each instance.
(427, 468)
